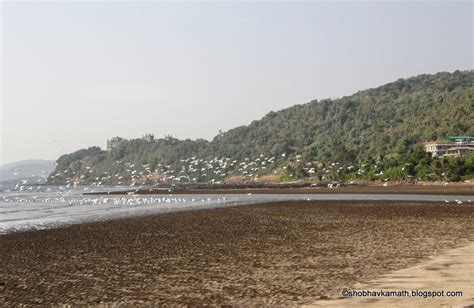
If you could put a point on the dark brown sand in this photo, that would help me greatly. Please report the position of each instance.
(450, 189)
(285, 253)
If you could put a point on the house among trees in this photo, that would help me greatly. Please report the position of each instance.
(112, 143)
(115, 141)
(149, 137)
(454, 146)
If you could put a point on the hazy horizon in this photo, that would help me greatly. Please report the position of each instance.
(76, 74)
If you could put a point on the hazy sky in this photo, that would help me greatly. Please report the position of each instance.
(76, 74)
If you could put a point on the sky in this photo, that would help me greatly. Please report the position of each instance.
(74, 74)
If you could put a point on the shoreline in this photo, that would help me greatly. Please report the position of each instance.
(283, 253)
(450, 189)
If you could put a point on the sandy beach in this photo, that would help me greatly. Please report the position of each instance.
(285, 253)
(451, 271)
(391, 188)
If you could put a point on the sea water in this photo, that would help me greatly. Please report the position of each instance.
(40, 207)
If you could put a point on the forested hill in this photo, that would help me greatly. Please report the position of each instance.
(371, 125)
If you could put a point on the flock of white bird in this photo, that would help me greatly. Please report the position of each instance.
(193, 170)
(129, 200)
(457, 201)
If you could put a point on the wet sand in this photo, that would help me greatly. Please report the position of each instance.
(431, 189)
(285, 253)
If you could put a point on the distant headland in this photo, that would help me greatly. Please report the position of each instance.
(415, 129)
